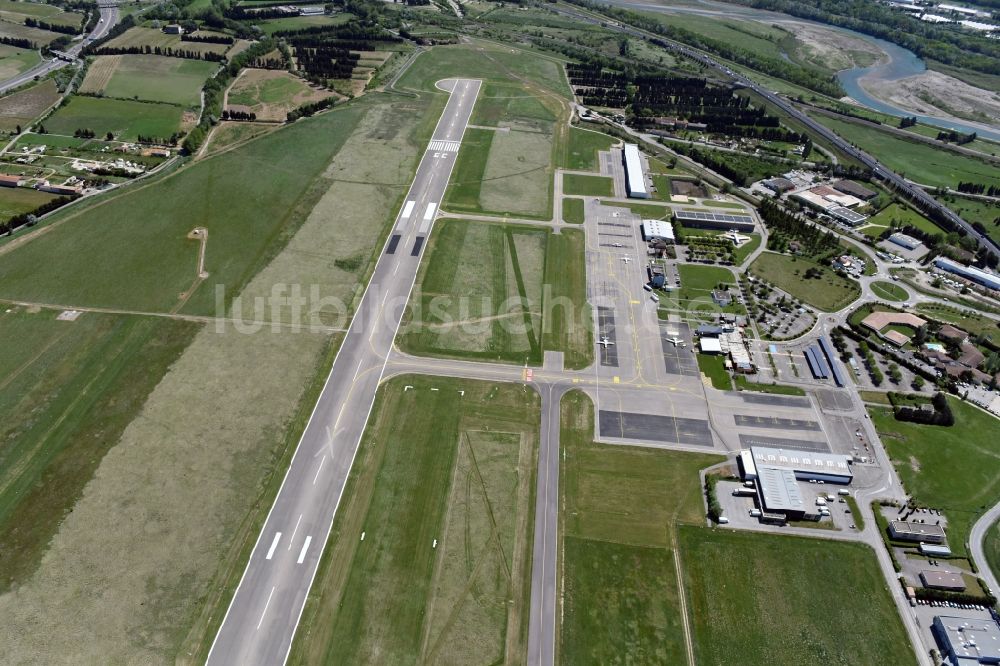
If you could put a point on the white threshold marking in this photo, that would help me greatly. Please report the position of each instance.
(405, 215)
(292, 538)
(321, 461)
(428, 218)
(305, 547)
(274, 544)
(266, 604)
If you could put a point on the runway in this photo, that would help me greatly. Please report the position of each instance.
(264, 613)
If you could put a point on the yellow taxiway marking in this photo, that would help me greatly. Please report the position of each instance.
(617, 380)
(635, 302)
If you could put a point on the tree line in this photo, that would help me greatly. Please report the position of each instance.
(207, 39)
(979, 188)
(160, 51)
(29, 219)
(234, 114)
(19, 43)
(51, 27)
(309, 109)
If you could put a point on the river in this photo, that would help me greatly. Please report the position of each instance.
(900, 64)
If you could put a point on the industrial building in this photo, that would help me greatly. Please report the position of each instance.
(720, 221)
(917, 532)
(11, 181)
(657, 230)
(935, 550)
(969, 273)
(904, 240)
(967, 641)
(942, 580)
(777, 473)
(854, 189)
(832, 202)
(635, 179)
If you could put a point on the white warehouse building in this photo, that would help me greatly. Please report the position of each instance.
(969, 273)
(635, 180)
(657, 230)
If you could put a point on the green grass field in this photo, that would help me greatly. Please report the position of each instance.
(713, 367)
(23, 106)
(983, 212)
(889, 291)
(828, 293)
(142, 233)
(573, 211)
(463, 475)
(753, 600)
(17, 200)
(991, 546)
(952, 469)
(694, 298)
(904, 215)
(646, 211)
(619, 510)
(494, 292)
(67, 392)
(126, 119)
(156, 79)
(742, 384)
(581, 153)
(970, 321)
(591, 186)
(919, 162)
(13, 61)
(270, 26)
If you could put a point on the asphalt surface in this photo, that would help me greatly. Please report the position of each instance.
(264, 613)
(110, 18)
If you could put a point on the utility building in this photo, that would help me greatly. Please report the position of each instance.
(635, 179)
(918, 532)
(967, 641)
(657, 230)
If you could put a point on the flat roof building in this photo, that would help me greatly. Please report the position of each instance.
(779, 491)
(722, 221)
(918, 532)
(710, 345)
(969, 272)
(806, 465)
(904, 240)
(942, 580)
(635, 180)
(935, 550)
(967, 641)
(854, 189)
(657, 230)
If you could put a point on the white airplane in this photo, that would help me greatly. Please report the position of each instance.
(616, 244)
(626, 259)
(606, 342)
(677, 342)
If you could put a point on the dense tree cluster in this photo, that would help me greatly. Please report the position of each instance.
(159, 141)
(309, 109)
(233, 114)
(979, 188)
(160, 51)
(84, 133)
(207, 39)
(958, 138)
(812, 239)
(739, 168)
(940, 415)
(18, 42)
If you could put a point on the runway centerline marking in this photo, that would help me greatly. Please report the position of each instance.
(266, 604)
(292, 538)
(321, 461)
(305, 547)
(274, 544)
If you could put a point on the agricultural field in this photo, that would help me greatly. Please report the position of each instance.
(464, 474)
(22, 107)
(507, 170)
(17, 200)
(37, 36)
(922, 163)
(271, 26)
(572, 211)
(828, 293)
(13, 61)
(271, 94)
(228, 134)
(152, 37)
(889, 291)
(125, 119)
(176, 562)
(591, 186)
(619, 510)
(582, 149)
(148, 78)
(17, 12)
(929, 458)
(484, 291)
(744, 588)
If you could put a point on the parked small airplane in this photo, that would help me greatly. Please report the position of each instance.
(606, 342)
(626, 259)
(677, 342)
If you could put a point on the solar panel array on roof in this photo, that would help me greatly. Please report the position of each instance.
(831, 357)
(816, 363)
(712, 217)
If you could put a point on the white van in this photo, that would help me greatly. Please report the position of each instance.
(723, 520)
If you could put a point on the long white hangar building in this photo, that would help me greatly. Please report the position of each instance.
(635, 179)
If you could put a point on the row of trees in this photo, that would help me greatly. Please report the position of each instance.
(167, 51)
(29, 219)
(207, 39)
(234, 114)
(979, 188)
(51, 27)
(958, 138)
(309, 109)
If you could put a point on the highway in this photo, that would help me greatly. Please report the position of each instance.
(109, 17)
(894, 180)
(264, 613)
